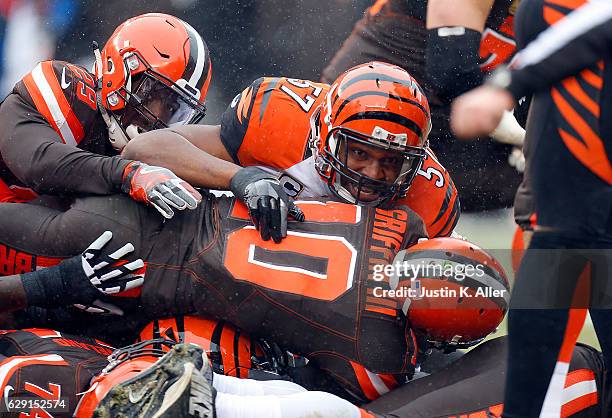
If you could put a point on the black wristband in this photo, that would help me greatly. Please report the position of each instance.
(452, 61)
(58, 286)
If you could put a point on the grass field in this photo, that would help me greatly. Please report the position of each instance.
(493, 231)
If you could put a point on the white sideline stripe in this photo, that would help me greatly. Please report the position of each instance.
(54, 108)
(567, 29)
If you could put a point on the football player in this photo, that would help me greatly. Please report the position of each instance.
(568, 134)
(312, 293)
(447, 46)
(62, 126)
(84, 375)
(364, 140)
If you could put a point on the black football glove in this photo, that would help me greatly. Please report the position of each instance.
(84, 278)
(268, 204)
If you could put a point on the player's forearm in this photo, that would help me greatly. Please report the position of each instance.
(45, 288)
(453, 43)
(187, 161)
(12, 294)
(56, 168)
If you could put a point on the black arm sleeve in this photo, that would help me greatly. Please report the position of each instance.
(35, 154)
(581, 39)
(452, 61)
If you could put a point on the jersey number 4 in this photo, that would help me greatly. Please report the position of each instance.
(308, 264)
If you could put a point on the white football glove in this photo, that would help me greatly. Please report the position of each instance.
(509, 131)
(517, 159)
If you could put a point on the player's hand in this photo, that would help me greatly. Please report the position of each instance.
(108, 273)
(85, 278)
(268, 204)
(159, 187)
(509, 131)
(478, 112)
(517, 159)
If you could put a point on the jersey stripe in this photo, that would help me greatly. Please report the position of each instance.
(552, 16)
(39, 100)
(590, 151)
(42, 77)
(573, 88)
(9, 366)
(593, 79)
(552, 40)
(226, 344)
(580, 392)
(50, 100)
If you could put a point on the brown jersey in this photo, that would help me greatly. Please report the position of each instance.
(313, 293)
(53, 139)
(268, 125)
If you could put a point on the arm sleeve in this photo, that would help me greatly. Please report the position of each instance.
(35, 154)
(452, 61)
(585, 35)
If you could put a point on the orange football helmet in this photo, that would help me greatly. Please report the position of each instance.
(375, 104)
(230, 353)
(460, 292)
(153, 72)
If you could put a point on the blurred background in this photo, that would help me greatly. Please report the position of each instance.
(247, 39)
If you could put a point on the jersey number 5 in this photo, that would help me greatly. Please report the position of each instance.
(307, 264)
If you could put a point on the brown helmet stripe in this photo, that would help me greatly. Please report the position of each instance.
(198, 63)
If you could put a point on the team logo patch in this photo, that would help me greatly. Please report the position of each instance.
(63, 82)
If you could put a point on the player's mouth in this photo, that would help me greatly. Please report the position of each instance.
(366, 194)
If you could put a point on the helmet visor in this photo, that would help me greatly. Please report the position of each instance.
(154, 104)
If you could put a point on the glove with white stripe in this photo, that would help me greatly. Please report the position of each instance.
(85, 278)
(158, 187)
(108, 273)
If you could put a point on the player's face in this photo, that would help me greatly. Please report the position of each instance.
(157, 106)
(371, 162)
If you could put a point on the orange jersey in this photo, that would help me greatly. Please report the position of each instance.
(269, 125)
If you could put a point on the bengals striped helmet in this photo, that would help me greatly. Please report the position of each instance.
(153, 72)
(457, 293)
(380, 106)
